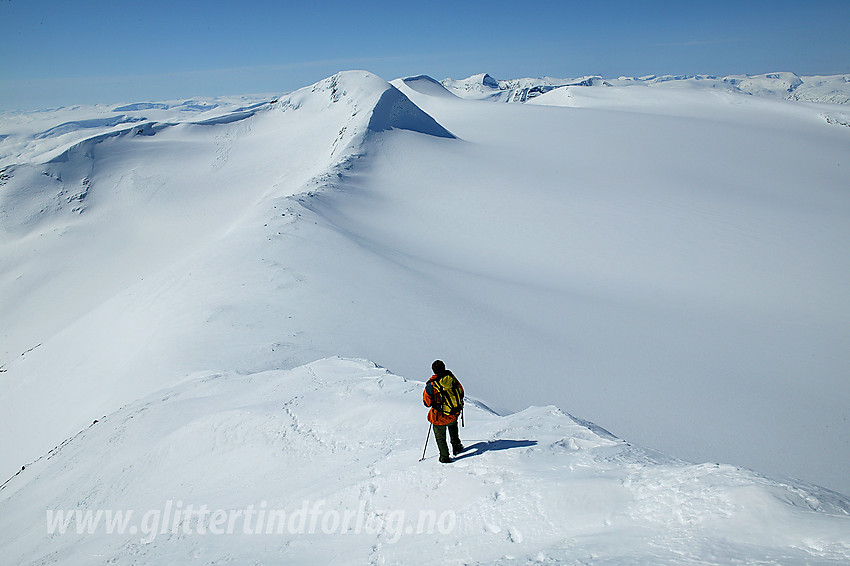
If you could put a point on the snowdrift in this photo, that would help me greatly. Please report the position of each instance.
(423, 84)
(320, 465)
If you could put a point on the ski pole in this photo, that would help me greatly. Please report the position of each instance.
(427, 438)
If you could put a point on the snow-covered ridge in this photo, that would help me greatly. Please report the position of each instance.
(360, 91)
(58, 161)
(36, 136)
(340, 436)
(832, 89)
(185, 106)
(142, 198)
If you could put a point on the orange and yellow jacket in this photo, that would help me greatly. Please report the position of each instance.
(431, 398)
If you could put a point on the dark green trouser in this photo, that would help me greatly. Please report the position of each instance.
(440, 435)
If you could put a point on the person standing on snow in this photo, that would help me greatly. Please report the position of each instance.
(444, 395)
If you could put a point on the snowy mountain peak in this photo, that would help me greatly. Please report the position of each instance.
(485, 87)
(358, 102)
(481, 80)
(366, 94)
(349, 85)
(477, 86)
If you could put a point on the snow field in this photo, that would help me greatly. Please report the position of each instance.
(702, 251)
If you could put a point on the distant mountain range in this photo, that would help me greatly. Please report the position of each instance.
(831, 89)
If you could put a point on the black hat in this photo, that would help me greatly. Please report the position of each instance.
(438, 366)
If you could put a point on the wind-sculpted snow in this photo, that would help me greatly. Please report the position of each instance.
(227, 118)
(320, 464)
(86, 124)
(423, 84)
(188, 106)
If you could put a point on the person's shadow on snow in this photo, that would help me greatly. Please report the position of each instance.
(486, 446)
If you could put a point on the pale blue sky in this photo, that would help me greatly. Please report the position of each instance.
(69, 52)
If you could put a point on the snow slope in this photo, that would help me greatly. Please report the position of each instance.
(104, 246)
(319, 465)
(668, 263)
(37, 136)
(423, 84)
(681, 251)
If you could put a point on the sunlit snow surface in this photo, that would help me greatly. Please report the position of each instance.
(340, 437)
(670, 263)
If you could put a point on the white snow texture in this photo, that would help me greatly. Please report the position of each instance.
(195, 296)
